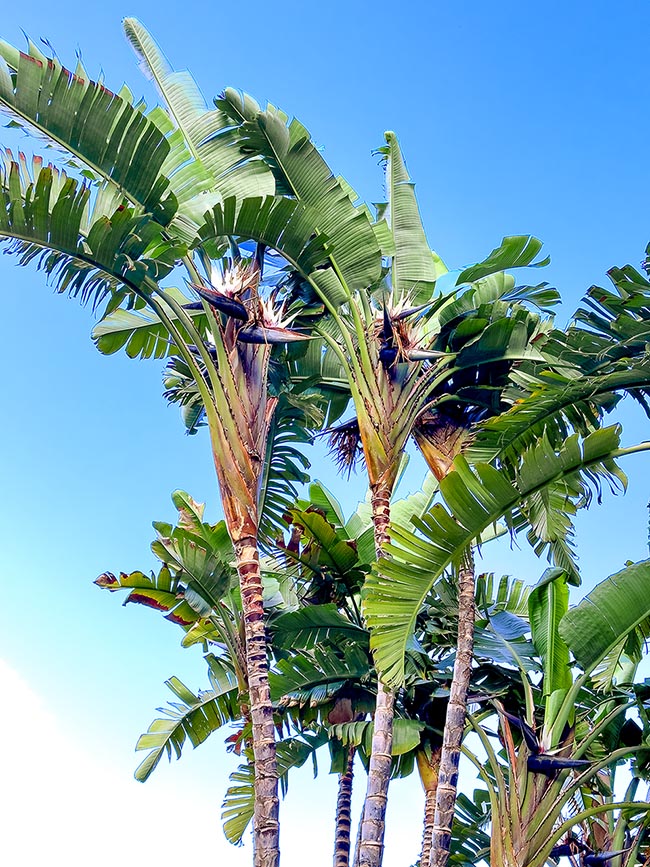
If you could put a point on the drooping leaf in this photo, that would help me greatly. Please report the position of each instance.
(301, 171)
(515, 251)
(193, 718)
(475, 498)
(312, 625)
(109, 135)
(607, 614)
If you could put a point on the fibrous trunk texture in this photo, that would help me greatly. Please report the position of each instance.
(344, 814)
(371, 848)
(455, 719)
(429, 769)
(429, 818)
(266, 826)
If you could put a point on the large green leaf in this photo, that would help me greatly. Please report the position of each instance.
(335, 552)
(285, 466)
(611, 611)
(193, 717)
(515, 251)
(164, 592)
(109, 135)
(312, 625)
(415, 268)
(301, 171)
(553, 409)
(239, 802)
(475, 498)
(547, 604)
(140, 333)
(306, 676)
(406, 735)
(282, 224)
(204, 163)
(44, 221)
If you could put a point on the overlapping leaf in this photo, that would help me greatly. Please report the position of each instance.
(301, 171)
(193, 718)
(109, 135)
(44, 221)
(612, 610)
(475, 498)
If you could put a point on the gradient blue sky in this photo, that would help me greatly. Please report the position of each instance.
(514, 118)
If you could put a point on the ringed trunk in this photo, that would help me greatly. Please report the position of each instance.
(455, 719)
(371, 847)
(429, 775)
(266, 826)
(344, 814)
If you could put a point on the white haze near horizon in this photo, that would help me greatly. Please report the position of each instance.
(62, 804)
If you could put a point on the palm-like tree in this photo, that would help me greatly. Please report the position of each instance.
(116, 234)
(399, 345)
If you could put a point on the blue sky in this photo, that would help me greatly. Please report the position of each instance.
(514, 118)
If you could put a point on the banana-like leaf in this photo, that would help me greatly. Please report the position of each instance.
(504, 646)
(204, 161)
(515, 251)
(284, 225)
(552, 409)
(605, 616)
(285, 466)
(44, 223)
(105, 132)
(335, 552)
(301, 171)
(470, 842)
(475, 498)
(193, 717)
(415, 268)
(302, 672)
(141, 334)
(547, 605)
(164, 592)
(406, 735)
(510, 594)
(308, 627)
(614, 325)
(239, 802)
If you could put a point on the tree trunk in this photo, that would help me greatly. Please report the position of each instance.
(455, 719)
(429, 770)
(266, 826)
(371, 848)
(344, 814)
(429, 819)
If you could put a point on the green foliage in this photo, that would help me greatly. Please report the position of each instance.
(415, 267)
(193, 718)
(475, 498)
(111, 137)
(515, 251)
(301, 172)
(44, 219)
(614, 608)
(547, 604)
(310, 677)
(314, 625)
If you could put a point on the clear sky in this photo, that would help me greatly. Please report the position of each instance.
(514, 118)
